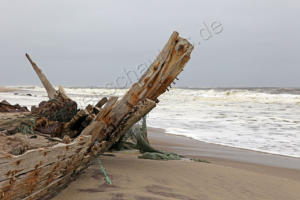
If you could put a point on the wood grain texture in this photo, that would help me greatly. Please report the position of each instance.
(152, 84)
(46, 83)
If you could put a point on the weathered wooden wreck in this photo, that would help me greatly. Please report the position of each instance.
(42, 150)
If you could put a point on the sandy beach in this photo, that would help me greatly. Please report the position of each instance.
(4, 89)
(234, 174)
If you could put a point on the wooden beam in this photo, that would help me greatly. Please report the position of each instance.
(46, 83)
(155, 81)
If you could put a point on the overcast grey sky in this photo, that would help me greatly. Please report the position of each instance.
(92, 42)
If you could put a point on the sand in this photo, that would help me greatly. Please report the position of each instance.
(4, 89)
(225, 178)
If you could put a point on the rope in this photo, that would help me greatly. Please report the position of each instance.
(104, 171)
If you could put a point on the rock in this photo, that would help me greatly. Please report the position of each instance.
(7, 107)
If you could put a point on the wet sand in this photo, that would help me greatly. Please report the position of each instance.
(190, 147)
(233, 174)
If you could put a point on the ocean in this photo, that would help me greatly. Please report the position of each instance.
(261, 119)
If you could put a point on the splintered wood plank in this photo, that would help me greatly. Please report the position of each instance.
(38, 179)
(50, 189)
(155, 81)
(24, 184)
(100, 123)
(37, 158)
(46, 83)
(139, 111)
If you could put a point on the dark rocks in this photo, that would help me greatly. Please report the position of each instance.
(7, 107)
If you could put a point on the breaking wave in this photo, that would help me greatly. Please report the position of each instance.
(262, 119)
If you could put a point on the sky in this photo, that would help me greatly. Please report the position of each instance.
(95, 42)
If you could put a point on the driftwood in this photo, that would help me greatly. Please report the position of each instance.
(81, 135)
(52, 93)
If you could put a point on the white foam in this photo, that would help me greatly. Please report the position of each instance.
(238, 118)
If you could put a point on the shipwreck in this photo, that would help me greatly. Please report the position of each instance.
(41, 150)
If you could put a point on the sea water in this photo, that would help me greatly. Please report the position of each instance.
(262, 119)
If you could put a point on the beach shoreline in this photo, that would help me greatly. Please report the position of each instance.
(155, 129)
(173, 142)
(231, 174)
(5, 89)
